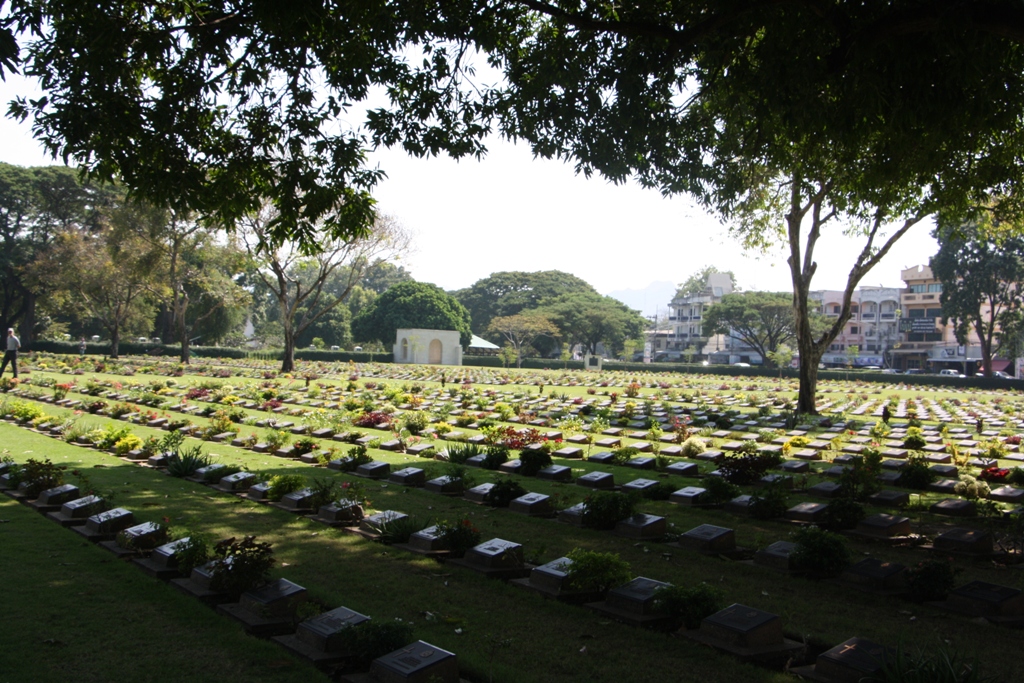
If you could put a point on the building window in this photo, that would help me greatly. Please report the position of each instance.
(933, 336)
(854, 308)
(918, 289)
(916, 313)
(936, 287)
(934, 313)
(836, 308)
(854, 330)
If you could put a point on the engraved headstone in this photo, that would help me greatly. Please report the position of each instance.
(983, 599)
(642, 526)
(416, 663)
(409, 476)
(775, 556)
(533, 504)
(636, 597)
(496, 554)
(323, 632)
(852, 661)
(744, 626)
(966, 541)
(875, 573)
(597, 480)
(709, 538)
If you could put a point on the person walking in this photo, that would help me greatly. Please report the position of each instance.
(11, 354)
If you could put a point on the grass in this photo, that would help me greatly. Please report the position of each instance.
(498, 632)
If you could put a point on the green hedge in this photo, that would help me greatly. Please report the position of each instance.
(129, 348)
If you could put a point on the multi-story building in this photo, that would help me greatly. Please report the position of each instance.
(925, 342)
(872, 327)
(686, 316)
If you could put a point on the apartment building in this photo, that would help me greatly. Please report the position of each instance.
(872, 328)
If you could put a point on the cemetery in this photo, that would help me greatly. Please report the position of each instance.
(365, 523)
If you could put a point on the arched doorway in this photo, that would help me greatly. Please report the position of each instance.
(405, 349)
(434, 352)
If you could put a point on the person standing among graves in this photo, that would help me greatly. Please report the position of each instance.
(11, 354)
(81, 347)
(886, 414)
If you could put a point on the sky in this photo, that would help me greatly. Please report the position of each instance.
(510, 211)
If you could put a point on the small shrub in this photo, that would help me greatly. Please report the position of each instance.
(916, 475)
(38, 476)
(275, 439)
(356, 456)
(1016, 476)
(459, 453)
(458, 537)
(305, 445)
(690, 605)
(496, 455)
(185, 462)
(325, 490)
(283, 484)
(661, 491)
(748, 468)
(241, 566)
(971, 488)
(693, 447)
(605, 509)
(533, 462)
(595, 572)
(771, 503)
(820, 554)
(415, 422)
(194, 553)
(503, 492)
(718, 490)
(621, 456)
(841, 514)
(398, 530)
(860, 480)
(370, 640)
(931, 580)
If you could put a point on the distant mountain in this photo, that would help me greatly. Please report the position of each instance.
(651, 299)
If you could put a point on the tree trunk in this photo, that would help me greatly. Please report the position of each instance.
(28, 318)
(115, 340)
(288, 362)
(185, 349)
(810, 356)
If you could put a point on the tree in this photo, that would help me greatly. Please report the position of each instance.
(521, 330)
(217, 106)
(781, 357)
(761, 320)
(590, 319)
(698, 282)
(982, 274)
(512, 292)
(411, 305)
(96, 277)
(197, 277)
(783, 119)
(298, 280)
(36, 205)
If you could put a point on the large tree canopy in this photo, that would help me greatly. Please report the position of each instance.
(215, 106)
(982, 278)
(411, 305)
(761, 320)
(513, 292)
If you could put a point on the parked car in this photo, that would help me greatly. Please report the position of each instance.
(1002, 375)
(915, 371)
(891, 371)
(741, 365)
(950, 372)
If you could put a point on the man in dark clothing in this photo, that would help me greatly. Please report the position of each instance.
(11, 354)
